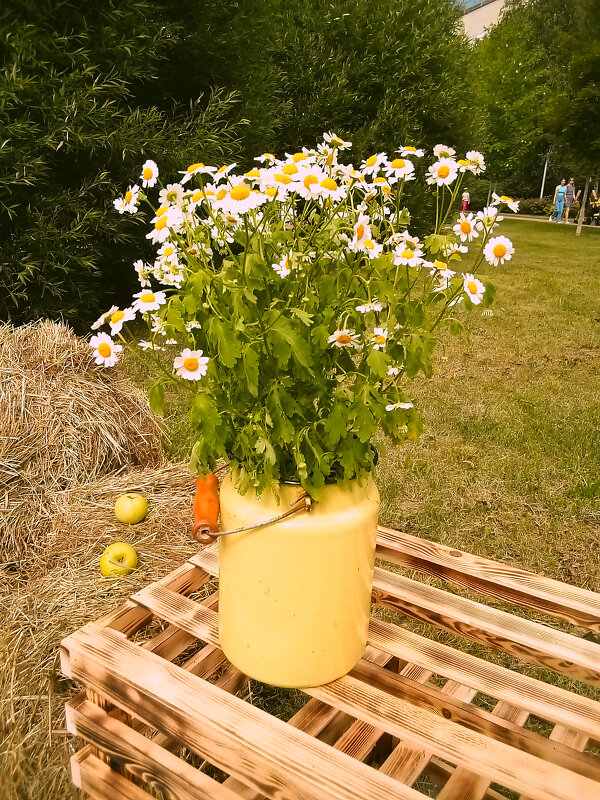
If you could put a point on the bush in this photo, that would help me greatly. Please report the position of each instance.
(536, 206)
(79, 113)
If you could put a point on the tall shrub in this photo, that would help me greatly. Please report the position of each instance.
(78, 113)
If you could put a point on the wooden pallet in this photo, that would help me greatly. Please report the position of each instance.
(389, 724)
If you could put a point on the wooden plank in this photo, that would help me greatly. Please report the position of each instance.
(544, 700)
(467, 785)
(261, 750)
(142, 757)
(459, 745)
(527, 640)
(579, 606)
(406, 762)
(100, 782)
(570, 737)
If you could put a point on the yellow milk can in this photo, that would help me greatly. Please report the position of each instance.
(295, 596)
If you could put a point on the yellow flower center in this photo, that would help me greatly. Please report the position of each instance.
(472, 287)
(282, 178)
(198, 196)
(128, 196)
(288, 263)
(329, 183)
(439, 265)
(222, 169)
(269, 155)
(443, 171)
(240, 192)
(104, 349)
(465, 226)
(463, 162)
(290, 169)
(499, 250)
(506, 199)
(360, 231)
(329, 159)
(271, 191)
(194, 167)
(309, 180)
(190, 364)
(253, 173)
(343, 338)
(299, 157)
(369, 244)
(379, 339)
(147, 297)
(117, 316)
(147, 174)
(399, 163)
(371, 160)
(161, 223)
(162, 210)
(221, 194)
(386, 189)
(379, 180)
(172, 196)
(169, 252)
(408, 254)
(411, 149)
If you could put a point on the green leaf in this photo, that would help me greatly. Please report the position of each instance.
(250, 361)
(302, 315)
(264, 446)
(378, 363)
(335, 425)
(286, 340)
(156, 395)
(225, 337)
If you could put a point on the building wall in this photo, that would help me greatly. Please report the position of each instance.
(483, 16)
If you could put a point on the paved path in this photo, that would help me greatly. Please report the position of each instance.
(532, 218)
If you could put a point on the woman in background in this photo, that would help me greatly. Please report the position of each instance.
(571, 196)
(466, 199)
(559, 201)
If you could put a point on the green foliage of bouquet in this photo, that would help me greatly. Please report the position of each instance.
(298, 303)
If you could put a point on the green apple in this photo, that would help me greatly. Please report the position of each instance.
(119, 558)
(131, 507)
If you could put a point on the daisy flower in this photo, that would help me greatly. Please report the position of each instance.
(443, 151)
(196, 169)
(104, 318)
(394, 406)
(149, 301)
(362, 231)
(105, 350)
(308, 186)
(372, 249)
(407, 256)
(488, 217)
(284, 266)
(474, 289)
(331, 189)
(498, 250)
(336, 141)
(149, 346)
(266, 158)
(191, 325)
(379, 338)
(455, 249)
(411, 151)
(149, 174)
(240, 200)
(191, 364)
(168, 253)
(142, 273)
(223, 172)
(374, 305)
(118, 318)
(173, 194)
(399, 168)
(383, 185)
(129, 202)
(466, 228)
(393, 371)
(443, 172)
(373, 164)
(345, 338)
(476, 161)
(441, 269)
(512, 204)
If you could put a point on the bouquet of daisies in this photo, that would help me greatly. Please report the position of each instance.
(291, 302)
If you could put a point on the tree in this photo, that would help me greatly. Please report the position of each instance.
(78, 117)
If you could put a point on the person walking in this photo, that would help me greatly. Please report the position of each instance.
(559, 201)
(466, 199)
(571, 196)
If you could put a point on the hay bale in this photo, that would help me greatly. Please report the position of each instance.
(64, 591)
(63, 421)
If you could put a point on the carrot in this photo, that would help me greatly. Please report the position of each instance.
(206, 508)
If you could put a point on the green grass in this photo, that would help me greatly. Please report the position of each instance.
(509, 463)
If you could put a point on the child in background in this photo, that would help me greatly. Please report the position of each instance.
(466, 199)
